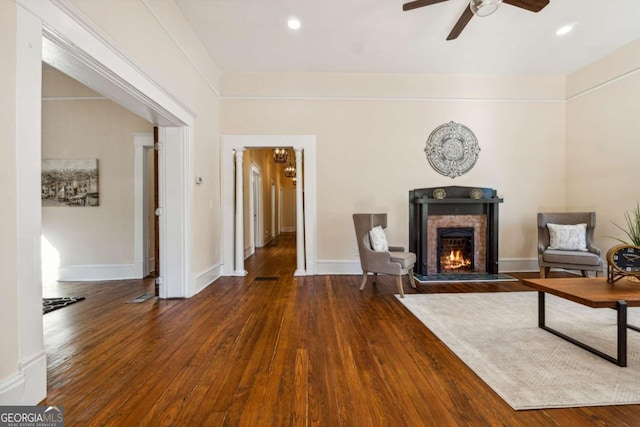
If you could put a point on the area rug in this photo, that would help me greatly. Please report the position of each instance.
(496, 335)
(464, 277)
(51, 304)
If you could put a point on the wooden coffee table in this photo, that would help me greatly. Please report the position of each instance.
(594, 293)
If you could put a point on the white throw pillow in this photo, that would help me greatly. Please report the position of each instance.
(568, 237)
(378, 239)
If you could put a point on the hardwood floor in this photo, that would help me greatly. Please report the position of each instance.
(272, 349)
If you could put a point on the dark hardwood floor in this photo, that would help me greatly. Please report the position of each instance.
(265, 351)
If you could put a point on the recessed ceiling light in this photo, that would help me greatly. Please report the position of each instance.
(294, 23)
(565, 29)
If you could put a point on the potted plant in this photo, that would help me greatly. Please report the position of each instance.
(632, 229)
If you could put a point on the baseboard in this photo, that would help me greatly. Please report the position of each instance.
(12, 390)
(336, 266)
(139, 269)
(249, 251)
(517, 265)
(81, 273)
(29, 386)
(203, 279)
(288, 230)
(506, 265)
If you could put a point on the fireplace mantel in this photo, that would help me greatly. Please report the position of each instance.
(456, 201)
(422, 204)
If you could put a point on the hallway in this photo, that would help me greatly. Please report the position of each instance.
(277, 258)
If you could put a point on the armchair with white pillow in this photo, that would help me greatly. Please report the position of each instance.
(565, 240)
(376, 256)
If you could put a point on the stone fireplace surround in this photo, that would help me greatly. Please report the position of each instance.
(457, 209)
(479, 225)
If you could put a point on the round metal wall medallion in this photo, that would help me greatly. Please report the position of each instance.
(452, 149)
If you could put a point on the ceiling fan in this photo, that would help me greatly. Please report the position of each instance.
(479, 8)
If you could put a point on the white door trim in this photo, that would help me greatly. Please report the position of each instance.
(280, 195)
(255, 207)
(141, 142)
(273, 210)
(232, 142)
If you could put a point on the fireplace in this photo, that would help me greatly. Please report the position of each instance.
(455, 250)
(471, 223)
(475, 225)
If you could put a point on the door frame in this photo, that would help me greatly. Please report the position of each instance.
(231, 143)
(274, 233)
(142, 142)
(255, 208)
(77, 47)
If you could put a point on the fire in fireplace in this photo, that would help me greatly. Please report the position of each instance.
(455, 250)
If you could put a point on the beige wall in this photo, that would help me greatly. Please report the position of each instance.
(10, 348)
(602, 144)
(370, 149)
(101, 129)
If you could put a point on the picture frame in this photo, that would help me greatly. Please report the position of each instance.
(70, 182)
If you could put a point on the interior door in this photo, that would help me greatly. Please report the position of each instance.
(256, 201)
(273, 210)
(156, 204)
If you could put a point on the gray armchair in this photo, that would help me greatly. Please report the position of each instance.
(584, 261)
(394, 262)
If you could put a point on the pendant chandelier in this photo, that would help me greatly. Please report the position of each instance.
(280, 155)
(290, 171)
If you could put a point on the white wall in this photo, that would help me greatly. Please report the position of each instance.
(10, 349)
(93, 243)
(602, 145)
(371, 132)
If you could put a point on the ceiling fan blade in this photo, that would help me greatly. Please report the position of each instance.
(530, 5)
(419, 3)
(462, 22)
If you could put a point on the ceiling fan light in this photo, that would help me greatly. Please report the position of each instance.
(483, 8)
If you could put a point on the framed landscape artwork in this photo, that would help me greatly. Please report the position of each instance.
(70, 182)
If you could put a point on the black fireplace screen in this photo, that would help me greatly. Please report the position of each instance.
(455, 250)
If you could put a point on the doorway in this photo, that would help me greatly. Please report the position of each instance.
(174, 134)
(233, 147)
(75, 47)
(146, 223)
(255, 207)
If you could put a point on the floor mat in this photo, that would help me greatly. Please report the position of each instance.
(51, 304)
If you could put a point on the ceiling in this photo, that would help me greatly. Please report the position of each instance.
(376, 36)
